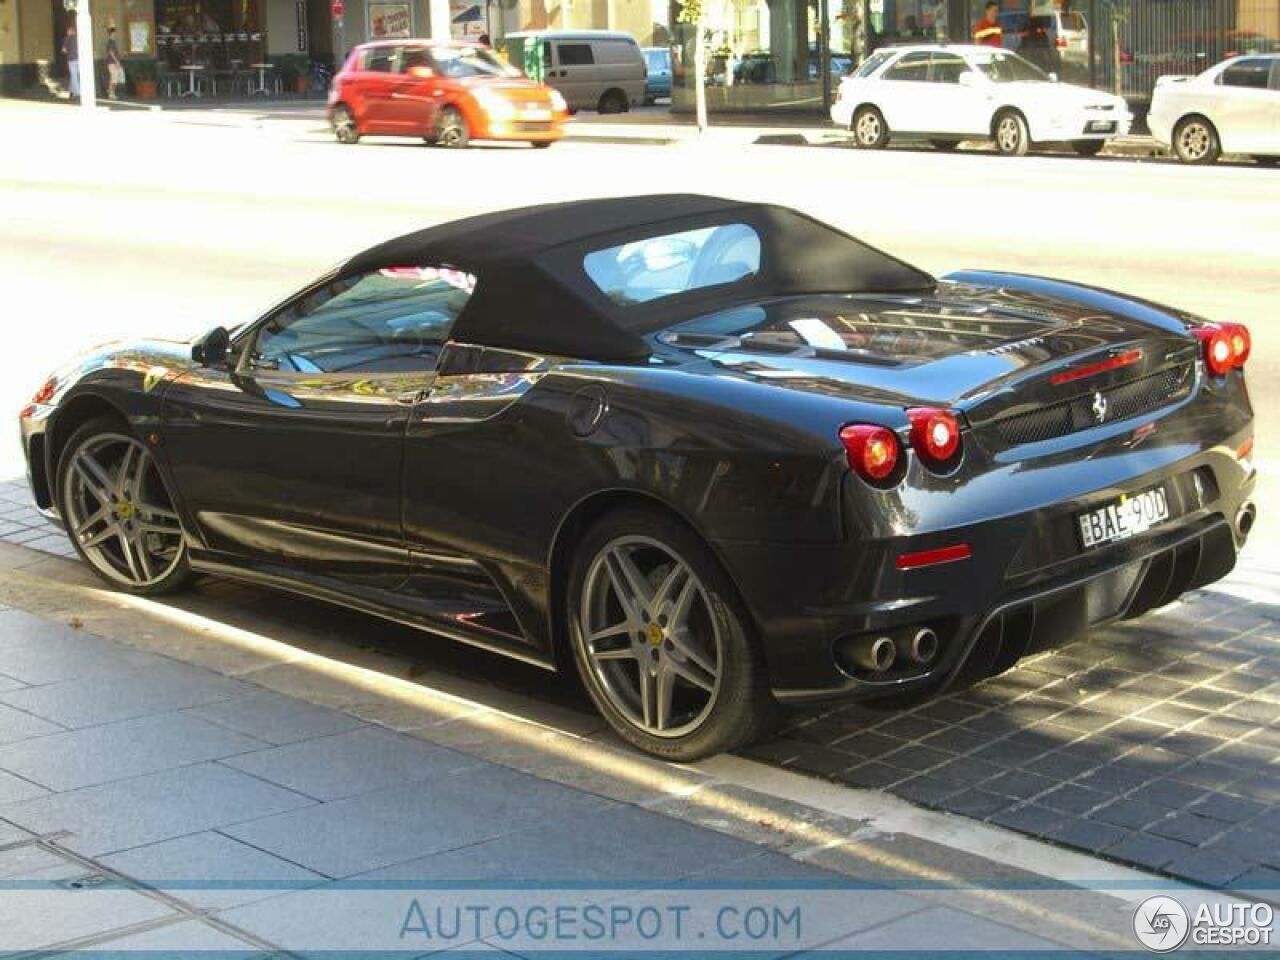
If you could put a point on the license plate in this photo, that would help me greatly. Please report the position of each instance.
(1102, 126)
(1124, 518)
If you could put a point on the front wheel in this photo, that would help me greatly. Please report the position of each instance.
(870, 132)
(1087, 148)
(118, 512)
(1011, 134)
(344, 125)
(660, 641)
(540, 144)
(1196, 141)
(452, 130)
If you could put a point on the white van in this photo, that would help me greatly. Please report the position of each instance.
(593, 69)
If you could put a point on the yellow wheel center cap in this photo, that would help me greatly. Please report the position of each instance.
(653, 633)
(124, 509)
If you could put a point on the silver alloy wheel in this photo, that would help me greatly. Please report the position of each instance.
(119, 512)
(868, 129)
(650, 636)
(453, 129)
(1194, 141)
(344, 125)
(1008, 133)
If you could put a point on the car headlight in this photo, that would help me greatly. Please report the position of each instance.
(495, 104)
(558, 102)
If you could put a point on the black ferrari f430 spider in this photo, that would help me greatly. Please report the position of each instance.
(712, 455)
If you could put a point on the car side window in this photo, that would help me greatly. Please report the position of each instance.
(912, 67)
(380, 60)
(412, 57)
(946, 68)
(1253, 73)
(575, 54)
(393, 320)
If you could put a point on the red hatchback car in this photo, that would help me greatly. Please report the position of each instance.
(447, 93)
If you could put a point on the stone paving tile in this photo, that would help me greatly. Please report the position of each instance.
(159, 806)
(276, 719)
(116, 751)
(18, 725)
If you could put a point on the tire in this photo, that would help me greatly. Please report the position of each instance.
(344, 125)
(869, 130)
(1196, 141)
(705, 656)
(1088, 148)
(1009, 129)
(1264, 160)
(540, 144)
(613, 101)
(946, 146)
(136, 544)
(452, 131)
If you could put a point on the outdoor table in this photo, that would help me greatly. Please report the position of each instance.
(191, 69)
(262, 69)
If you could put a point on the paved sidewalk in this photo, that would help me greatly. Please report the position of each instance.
(170, 783)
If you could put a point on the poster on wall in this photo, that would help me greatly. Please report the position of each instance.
(389, 20)
(139, 36)
(466, 20)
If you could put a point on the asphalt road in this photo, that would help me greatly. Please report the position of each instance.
(130, 224)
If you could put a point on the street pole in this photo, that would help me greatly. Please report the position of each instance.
(84, 46)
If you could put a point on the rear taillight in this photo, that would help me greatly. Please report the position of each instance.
(935, 435)
(1226, 346)
(1061, 43)
(872, 451)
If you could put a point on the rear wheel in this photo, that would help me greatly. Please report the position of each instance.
(1087, 148)
(118, 512)
(540, 144)
(660, 641)
(1196, 141)
(870, 132)
(612, 101)
(1011, 135)
(451, 129)
(344, 125)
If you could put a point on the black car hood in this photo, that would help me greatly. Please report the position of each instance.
(975, 339)
(150, 362)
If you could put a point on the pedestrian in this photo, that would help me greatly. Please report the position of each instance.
(987, 31)
(115, 67)
(71, 50)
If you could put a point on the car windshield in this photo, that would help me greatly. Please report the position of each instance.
(872, 62)
(470, 62)
(1004, 67)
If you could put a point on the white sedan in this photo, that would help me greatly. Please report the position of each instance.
(945, 94)
(1231, 108)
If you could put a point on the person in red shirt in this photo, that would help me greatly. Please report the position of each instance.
(987, 31)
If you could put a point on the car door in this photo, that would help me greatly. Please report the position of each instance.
(574, 68)
(290, 457)
(1245, 106)
(958, 98)
(903, 94)
(417, 91)
(377, 80)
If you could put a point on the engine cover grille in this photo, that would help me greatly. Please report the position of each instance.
(1120, 402)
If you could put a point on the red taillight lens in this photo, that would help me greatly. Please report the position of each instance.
(1218, 352)
(872, 451)
(1061, 43)
(1241, 343)
(935, 434)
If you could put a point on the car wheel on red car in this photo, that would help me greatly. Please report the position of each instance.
(344, 125)
(452, 129)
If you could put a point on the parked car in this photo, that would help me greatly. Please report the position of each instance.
(946, 94)
(710, 454)
(446, 93)
(657, 83)
(1052, 42)
(600, 70)
(1233, 107)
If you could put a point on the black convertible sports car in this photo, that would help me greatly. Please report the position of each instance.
(714, 454)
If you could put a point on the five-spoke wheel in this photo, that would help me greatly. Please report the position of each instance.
(1011, 134)
(658, 640)
(117, 511)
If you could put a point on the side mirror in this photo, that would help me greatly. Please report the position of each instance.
(211, 349)
(422, 73)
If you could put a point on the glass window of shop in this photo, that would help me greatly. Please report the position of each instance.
(214, 33)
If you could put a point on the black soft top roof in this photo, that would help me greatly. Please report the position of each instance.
(533, 294)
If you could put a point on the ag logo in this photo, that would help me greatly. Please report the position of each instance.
(1099, 407)
(1161, 924)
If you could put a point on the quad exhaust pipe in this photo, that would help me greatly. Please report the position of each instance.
(875, 654)
(1244, 519)
(923, 647)
(879, 653)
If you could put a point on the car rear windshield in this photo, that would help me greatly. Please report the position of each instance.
(673, 263)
